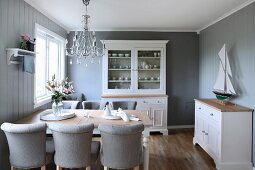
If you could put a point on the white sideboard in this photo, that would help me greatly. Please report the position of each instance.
(225, 133)
(156, 106)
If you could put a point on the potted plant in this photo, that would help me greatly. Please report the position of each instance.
(26, 42)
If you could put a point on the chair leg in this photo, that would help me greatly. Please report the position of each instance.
(88, 168)
(136, 168)
(13, 168)
(43, 167)
(106, 168)
(59, 168)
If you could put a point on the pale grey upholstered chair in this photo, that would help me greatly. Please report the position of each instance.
(93, 105)
(73, 146)
(121, 146)
(77, 97)
(28, 146)
(124, 105)
(70, 104)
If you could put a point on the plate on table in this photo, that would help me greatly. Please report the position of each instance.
(48, 115)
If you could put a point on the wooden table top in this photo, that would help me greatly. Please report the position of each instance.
(229, 107)
(95, 117)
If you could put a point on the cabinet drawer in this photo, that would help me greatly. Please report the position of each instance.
(207, 111)
(152, 101)
(213, 114)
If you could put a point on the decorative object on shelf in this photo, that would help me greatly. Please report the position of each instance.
(223, 88)
(84, 44)
(27, 43)
(59, 89)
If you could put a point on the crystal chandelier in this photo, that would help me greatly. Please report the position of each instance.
(84, 44)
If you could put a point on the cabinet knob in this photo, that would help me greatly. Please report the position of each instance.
(203, 131)
(206, 133)
(211, 114)
(199, 108)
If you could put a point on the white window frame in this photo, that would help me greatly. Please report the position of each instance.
(53, 36)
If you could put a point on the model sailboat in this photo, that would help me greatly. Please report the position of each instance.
(223, 88)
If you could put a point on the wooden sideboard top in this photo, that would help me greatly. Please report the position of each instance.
(229, 107)
(132, 95)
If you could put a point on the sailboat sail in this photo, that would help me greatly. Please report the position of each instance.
(228, 66)
(221, 78)
(223, 85)
(230, 89)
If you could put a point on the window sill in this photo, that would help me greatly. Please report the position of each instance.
(42, 102)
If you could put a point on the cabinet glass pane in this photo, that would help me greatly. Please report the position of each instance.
(119, 69)
(149, 69)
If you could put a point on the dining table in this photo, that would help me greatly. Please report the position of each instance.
(96, 117)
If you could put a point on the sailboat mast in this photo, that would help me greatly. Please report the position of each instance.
(225, 71)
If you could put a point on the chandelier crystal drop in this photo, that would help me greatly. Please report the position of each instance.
(84, 43)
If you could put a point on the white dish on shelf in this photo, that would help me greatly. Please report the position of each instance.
(121, 55)
(114, 54)
(48, 115)
(127, 55)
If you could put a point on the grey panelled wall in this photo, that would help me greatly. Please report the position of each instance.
(181, 71)
(16, 87)
(238, 32)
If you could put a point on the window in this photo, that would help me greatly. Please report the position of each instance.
(49, 61)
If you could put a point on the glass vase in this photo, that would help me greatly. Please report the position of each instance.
(57, 108)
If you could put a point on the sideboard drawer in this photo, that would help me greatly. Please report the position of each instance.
(207, 111)
(213, 114)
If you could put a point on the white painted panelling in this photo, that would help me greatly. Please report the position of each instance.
(16, 86)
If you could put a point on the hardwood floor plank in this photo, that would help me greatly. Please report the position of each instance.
(177, 152)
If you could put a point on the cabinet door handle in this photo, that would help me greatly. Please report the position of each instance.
(203, 131)
(145, 102)
(211, 114)
(206, 133)
(199, 108)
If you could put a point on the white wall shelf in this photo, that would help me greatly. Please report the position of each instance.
(13, 55)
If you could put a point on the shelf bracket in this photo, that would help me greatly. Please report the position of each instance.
(13, 55)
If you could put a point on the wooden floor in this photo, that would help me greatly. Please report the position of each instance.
(177, 152)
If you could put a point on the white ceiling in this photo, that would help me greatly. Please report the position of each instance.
(144, 15)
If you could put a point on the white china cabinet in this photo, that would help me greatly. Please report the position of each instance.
(136, 70)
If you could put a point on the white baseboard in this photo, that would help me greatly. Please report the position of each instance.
(253, 168)
(181, 127)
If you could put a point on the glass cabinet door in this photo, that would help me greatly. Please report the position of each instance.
(119, 69)
(149, 69)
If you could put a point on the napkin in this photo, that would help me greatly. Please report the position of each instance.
(123, 115)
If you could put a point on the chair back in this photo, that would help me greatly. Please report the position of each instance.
(72, 145)
(27, 144)
(92, 105)
(121, 145)
(124, 105)
(70, 104)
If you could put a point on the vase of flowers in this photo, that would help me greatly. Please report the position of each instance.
(59, 89)
(27, 43)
